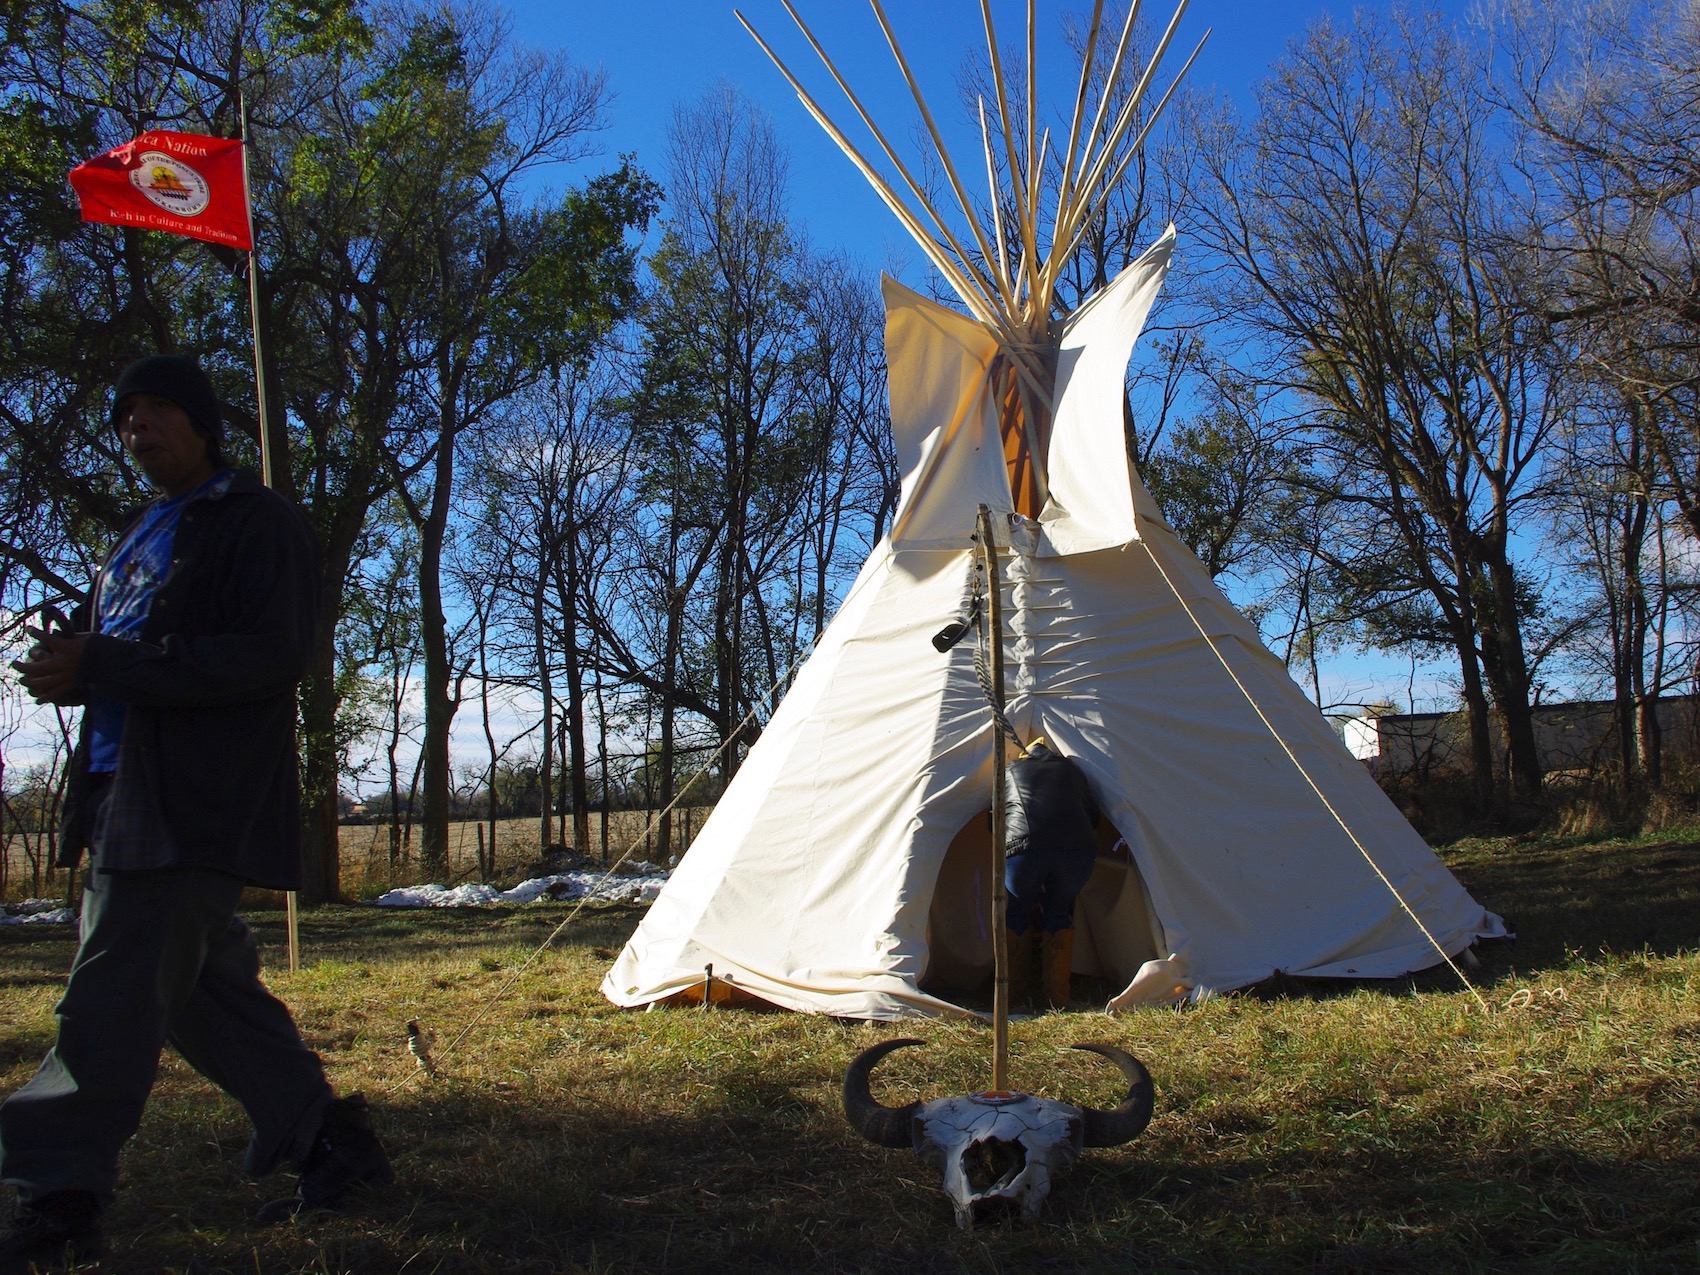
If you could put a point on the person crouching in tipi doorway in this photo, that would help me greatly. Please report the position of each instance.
(1050, 823)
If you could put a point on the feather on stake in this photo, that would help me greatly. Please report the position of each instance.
(419, 1042)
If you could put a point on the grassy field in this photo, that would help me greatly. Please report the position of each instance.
(1301, 1128)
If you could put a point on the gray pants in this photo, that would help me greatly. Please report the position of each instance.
(163, 957)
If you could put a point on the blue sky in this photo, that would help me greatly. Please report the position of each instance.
(659, 53)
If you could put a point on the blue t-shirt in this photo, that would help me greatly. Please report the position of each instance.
(123, 596)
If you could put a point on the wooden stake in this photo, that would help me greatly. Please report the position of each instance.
(268, 448)
(1000, 897)
(1033, 109)
(1026, 218)
(1118, 130)
(1094, 202)
(1093, 133)
(982, 306)
(1014, 306)
(938, 141)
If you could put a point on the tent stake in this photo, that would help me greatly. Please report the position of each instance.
(1000, 899)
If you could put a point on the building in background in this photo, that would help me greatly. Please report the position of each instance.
(1579, 737)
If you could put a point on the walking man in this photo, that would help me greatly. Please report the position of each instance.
(183, 789)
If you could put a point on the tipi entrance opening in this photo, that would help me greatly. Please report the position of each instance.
(1114, 929)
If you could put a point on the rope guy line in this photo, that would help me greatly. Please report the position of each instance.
(1314, 786)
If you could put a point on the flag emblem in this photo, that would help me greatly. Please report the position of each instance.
(171, 185)
(181, 183)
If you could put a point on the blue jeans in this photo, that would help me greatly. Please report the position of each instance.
(1042, 885)
(163, 957)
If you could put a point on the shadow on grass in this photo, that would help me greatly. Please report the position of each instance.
(738, 1183)
(1587, 899)
(638, 1143)
(1562, 900)
(36, 955)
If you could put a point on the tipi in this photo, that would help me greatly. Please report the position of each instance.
(846, 869)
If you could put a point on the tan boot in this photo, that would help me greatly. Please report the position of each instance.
(1023, 976)
(1059, 964)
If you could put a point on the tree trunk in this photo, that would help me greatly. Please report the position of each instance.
(1506, 666)
(1649, 738)
(577, 753)
(675, 622)
(1478, 715)
(487, 867)
(434, 644)
(341, 524)
(602, 752)
(545, 684)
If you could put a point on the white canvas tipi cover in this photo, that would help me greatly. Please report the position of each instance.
(845, 870)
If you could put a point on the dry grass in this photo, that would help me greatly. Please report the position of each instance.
(365, 853)
(367, 871)
(1299, 1129)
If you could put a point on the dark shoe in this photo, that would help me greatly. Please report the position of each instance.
(62, 1226)
(346, 1154)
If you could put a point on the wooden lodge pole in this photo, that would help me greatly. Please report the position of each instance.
(269, 446)
(1000, 899)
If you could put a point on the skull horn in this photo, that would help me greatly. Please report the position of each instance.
(886, 1126)
(1128, 1121)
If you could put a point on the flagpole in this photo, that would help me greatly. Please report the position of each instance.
(268, 456)
(267, 461)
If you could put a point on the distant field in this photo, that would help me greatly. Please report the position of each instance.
(366, 848)
(1337, 1128)
(366, 866)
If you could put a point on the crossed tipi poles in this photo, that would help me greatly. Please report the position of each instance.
(1007, 277)
(1007, 267)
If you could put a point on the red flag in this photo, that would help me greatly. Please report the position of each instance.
(181, 183)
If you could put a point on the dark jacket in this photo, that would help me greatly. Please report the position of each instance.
(207, 764)
(1049, 807)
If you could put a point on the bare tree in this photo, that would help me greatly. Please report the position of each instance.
(723, 442)
(551, 500)
(1608, 91)
(514, 289)
(1376, 262)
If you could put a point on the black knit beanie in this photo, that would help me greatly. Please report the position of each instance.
(180, 380)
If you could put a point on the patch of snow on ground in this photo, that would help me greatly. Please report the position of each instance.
(599, 886)
(36, 912)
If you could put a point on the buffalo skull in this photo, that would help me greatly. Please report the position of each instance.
(994, 1146)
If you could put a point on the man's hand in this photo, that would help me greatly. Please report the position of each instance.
(50, 672)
